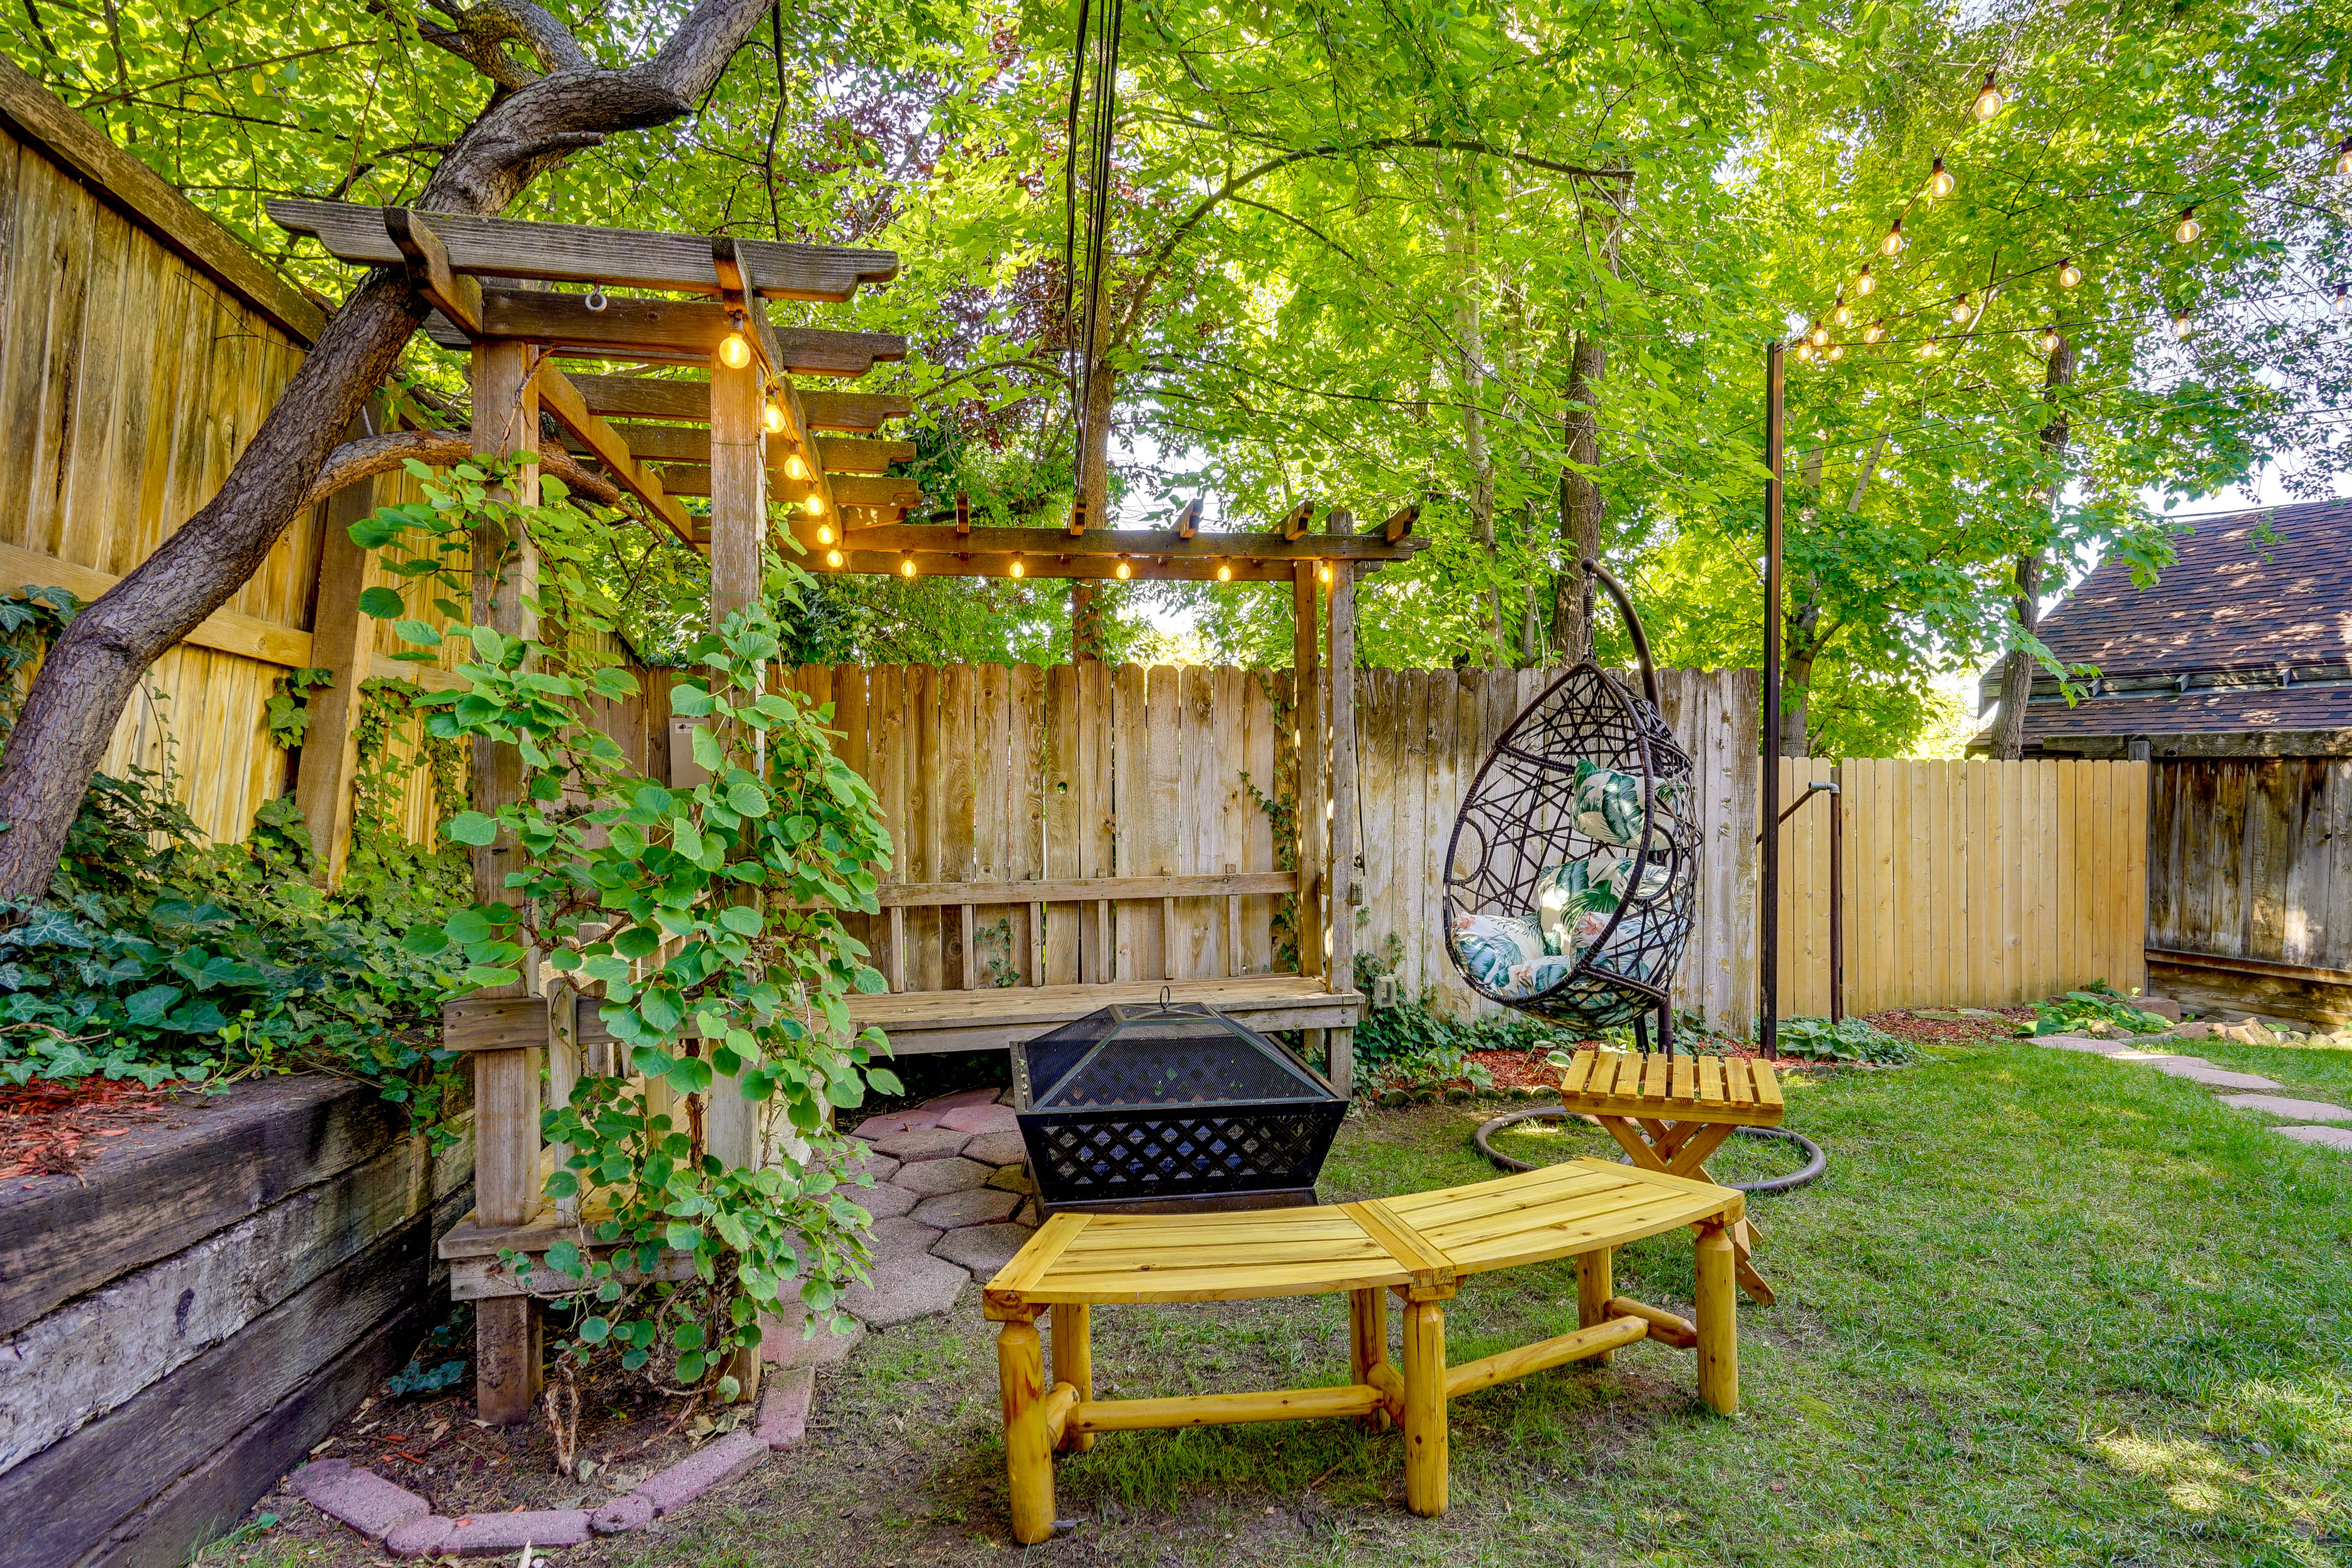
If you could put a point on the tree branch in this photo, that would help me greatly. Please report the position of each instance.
(368, 455)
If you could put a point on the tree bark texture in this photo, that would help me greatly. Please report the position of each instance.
(2017, 667)
(1580, 493)
(73, 704)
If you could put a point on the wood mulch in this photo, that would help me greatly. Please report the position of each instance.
(53, 1129)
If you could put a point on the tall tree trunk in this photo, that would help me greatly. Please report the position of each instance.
(1580, 494)
(1802, 641)
(70, 710)
(2017, 668)
(1470, 379)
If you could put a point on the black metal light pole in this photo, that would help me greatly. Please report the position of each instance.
(1769, 890)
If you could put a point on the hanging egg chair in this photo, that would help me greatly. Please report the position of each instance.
(1572, 873)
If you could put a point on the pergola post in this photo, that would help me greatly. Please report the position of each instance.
(507, 1347)
(1345, 890)
(738, 525)
(343, 643)
(1313, 816)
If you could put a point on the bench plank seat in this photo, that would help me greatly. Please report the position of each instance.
(1419, 1246)
(993, 1019)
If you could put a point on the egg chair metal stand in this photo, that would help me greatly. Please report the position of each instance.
(1529, 813)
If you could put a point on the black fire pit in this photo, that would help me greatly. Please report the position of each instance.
(1170, 1108)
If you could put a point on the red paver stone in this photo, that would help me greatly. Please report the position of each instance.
(920, 1143)
(998, 1149)
(785, 1407)
(622, 1514)
(930, 1178)
(495, 1534)
(962, 1097)
(885, 1199)
(419, 1537)
(981, 1119)
(713, 1465)
(875, 1128)
(974, 1205)
(360, 1498)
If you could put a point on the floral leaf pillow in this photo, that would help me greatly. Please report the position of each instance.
(1491, 945)
(1607, 805)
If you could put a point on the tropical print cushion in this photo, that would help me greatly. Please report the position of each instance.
(1607, 805)
(1569, 896)
(1537, 974)
(1491, 945)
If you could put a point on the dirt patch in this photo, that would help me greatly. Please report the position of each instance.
(54, 1129)
(1940, 1027)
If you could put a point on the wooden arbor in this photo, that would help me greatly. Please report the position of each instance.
(744, 437)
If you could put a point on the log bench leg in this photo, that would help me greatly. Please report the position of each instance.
(1074, 1364)
(1595, 1284)
(1028, 1458)
(1718, 1323)
(1425, 1456)
(1368, 1343)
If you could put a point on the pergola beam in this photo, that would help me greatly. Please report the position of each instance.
(984, 560)
(644, 397)
(635, 328)
(573, 253)
(610, 447)
(1208, 549)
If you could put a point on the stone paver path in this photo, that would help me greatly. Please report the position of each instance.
(2146, 1050)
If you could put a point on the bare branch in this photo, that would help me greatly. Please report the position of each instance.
(371, 455)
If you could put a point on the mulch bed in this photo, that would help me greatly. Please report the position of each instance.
(54, 1129)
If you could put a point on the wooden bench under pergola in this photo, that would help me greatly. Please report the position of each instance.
(529, 301)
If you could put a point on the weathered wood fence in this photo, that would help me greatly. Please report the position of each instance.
(1976, 883)
(2250, 883)
(994, 774)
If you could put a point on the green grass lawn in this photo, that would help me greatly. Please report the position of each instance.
(2042, 1309)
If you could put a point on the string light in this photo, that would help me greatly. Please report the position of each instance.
(772, 417)
(2068, 273)
(1019, 568)
(2181, 325)
(906, 566)
(1865, 284)
(1873, 332)
(1323, 573)
(1928, 349)
(1122, 571)
(1837, 351)
(2343, 305)
(2188, 228)
(814, 505)
(1842, 315)
(1940, 183)
(1225, 572)
(1893, 243)
(2344, 157)
(825, 533)
(1989, 99)
(2050, 340)
(1805, 349)
(1960, 308)
(833, 558)
(796, 467)
(734, 352)
(1819, 337)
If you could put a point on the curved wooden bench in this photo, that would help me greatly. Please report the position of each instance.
(1422, 1245)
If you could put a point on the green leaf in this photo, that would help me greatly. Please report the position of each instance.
(472, 828)
(415, 632)
(382, 604)
(596, 1331)
(743, 920)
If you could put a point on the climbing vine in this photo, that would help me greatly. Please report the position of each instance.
(1281, 809)
(708, 917)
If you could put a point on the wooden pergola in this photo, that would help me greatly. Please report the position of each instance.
(748, 437)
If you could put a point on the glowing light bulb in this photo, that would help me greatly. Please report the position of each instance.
(1225, 569)
(1019, 569)
(2181, 325)
(2344, 157)
(734, 352)
(1323, 573)
(1960, 308)
(2343, 302)
(1837, 351)
(771, 419)
(2188, 228)
(1928, 349)
(833, 558)
(1940, 183)
(1819, 337)
(1804, 349)
(1842, 315)
(1873, 332)
(825, 533)
(1866, 283)
(814, 505)
(1989, 99)
(2068, 273)
(1893, 243)
(1122, 571)
(2050, 340)
(796, 467)
(906, 566)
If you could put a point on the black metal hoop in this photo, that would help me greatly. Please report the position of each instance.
(1518, 821)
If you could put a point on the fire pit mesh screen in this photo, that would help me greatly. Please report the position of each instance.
(1145, 1104)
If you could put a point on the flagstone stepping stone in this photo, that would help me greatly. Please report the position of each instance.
(906, 1288)
(983, 1248)
(1014, 1179)
(2150, 1058)
(923, 1144)
(886, 1200)
(2281, 1105)
(874, 1129)
(780, 1344)
(998, 1149)
(947, 1102)
(2084, 1043)
(2325, 1137)
(991, 1118)
(881, 1167)
(974, 1206)
(2214, 1078)
(900, 1236)
(931, 1178)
